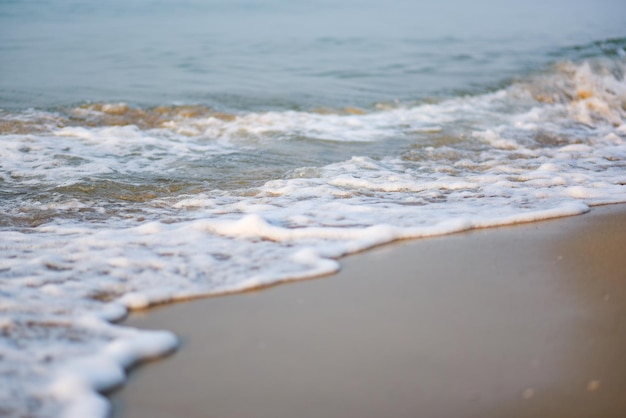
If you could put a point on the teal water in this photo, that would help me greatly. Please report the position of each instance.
(152, 151)
(282, 54)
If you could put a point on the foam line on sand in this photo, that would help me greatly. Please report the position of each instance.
(521, 321)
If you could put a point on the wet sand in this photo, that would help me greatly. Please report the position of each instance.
(522, 321)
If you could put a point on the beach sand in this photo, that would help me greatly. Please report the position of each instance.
(521, 321)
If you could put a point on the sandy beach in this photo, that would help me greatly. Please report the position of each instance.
(521, 321)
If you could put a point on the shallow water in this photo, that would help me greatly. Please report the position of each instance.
(162, 150)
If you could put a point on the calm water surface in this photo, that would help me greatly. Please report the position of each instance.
(279, 54)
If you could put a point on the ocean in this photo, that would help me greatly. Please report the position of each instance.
(160, 150)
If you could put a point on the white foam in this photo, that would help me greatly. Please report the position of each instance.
(78, 382)
(328, 127)
(536, 150)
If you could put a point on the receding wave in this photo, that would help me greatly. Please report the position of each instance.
(108, 207)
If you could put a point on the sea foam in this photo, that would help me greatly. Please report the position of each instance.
(175, 204)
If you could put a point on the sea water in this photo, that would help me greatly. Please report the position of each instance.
(152, 151)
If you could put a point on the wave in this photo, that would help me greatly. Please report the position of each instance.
(109, 207)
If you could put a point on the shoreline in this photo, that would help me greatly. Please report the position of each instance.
(524, 320)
